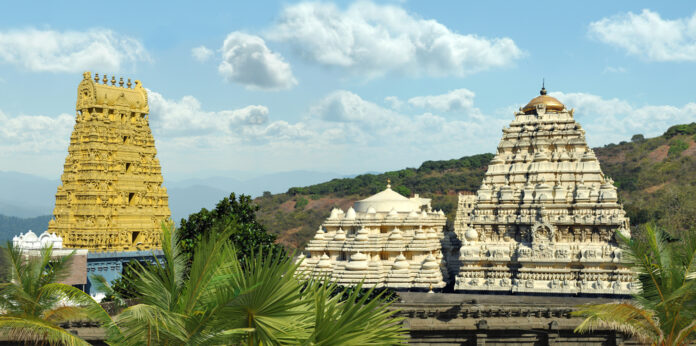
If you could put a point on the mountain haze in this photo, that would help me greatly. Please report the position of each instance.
(31, 198)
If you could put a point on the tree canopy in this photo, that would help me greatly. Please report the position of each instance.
(239, 214)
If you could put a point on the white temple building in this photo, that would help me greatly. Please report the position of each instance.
(30, 241)
(387, 240)
(544, 219)
(31, 245)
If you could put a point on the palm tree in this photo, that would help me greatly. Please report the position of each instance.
(33, 303)
(179, 309)
(355, 320)
(285, 306)
(663, 311)
(263, 301)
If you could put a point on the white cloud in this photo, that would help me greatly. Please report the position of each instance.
(394, 102)
(70, 51)
(649, 36)
(614, 120)
(201, 53)
(186, 120)
(341, 132)
(185, 117)
(612, 69)
(376, 39)
(363, 122)
(34, 133)
(247, 60)
(458, 99)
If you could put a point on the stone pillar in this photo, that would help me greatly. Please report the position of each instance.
(552, 336)
(481, 333)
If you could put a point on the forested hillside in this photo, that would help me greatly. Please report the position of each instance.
(11, 226)
(296, 214)
(656, 179)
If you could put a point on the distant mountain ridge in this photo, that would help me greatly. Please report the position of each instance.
(26, 196)
(11, 226)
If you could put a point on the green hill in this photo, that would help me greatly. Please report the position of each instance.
(11, 226)
(656, 179)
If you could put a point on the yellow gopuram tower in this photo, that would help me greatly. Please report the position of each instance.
(111, 197)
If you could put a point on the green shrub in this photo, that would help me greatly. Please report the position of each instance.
(676, 147)
(685, 129)
(639, 138)
(403, 190)
(301, 203)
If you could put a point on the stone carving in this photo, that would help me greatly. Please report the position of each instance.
(111, 199)
(545, 198)
(386, 240)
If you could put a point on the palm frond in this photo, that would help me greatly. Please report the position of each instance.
(210, 255)
(93, 309)
(102, 285)
(26, 328)
(686, 335)
(355, 320)
(624, 317)
(65, 313)
(274, 304)
(150, 324)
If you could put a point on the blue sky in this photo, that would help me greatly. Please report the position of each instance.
(345, 87)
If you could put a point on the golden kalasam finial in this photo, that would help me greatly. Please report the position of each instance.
(129, 83)
(549, 102)
(543, 89)
(120, 82)
(96, 78)
(106, 79)
(113, 80)
(388, 183)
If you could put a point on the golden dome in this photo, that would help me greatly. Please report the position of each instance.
(552, 104)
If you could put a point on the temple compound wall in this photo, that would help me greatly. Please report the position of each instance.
(545, 218)
(387, 240)
(111, 197)
(485, 319)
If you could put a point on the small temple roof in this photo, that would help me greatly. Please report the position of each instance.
(387, 195)
(551, 103)
(388, 200)
(92, 93)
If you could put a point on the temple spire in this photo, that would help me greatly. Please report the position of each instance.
(543, 88)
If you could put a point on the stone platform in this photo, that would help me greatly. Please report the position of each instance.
(486, 319)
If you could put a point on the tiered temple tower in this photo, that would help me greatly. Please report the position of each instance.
(544, 219)
(111, 197)
(387, 240)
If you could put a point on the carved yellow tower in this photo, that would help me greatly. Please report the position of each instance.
(111, 197)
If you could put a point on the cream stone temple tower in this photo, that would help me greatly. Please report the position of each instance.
(544, 219)
(111, 197)
(387, 240)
